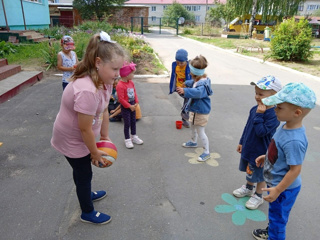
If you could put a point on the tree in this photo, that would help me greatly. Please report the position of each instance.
(89, 8)
(278, 8)
(220, 11)
(175, 11)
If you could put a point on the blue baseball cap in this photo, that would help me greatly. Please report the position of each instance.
(295, 93)
(182, 55)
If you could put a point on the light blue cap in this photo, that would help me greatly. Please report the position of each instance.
(295, 93)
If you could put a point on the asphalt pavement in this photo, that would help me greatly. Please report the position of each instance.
(156, 191)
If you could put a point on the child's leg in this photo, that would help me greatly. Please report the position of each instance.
(133, 122)
(204, 138)
(194, 135)
(259, 187)
(126, 119)
(279, 211)
(82, 176)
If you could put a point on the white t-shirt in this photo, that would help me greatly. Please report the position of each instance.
(79, 96)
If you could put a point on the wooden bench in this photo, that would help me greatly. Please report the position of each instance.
(251, 48)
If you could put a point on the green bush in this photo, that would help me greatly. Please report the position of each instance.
(6, 48)
(291, 41)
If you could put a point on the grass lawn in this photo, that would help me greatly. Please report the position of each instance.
(311, 67)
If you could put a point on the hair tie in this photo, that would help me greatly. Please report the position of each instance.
(196, 71)
(104, 37)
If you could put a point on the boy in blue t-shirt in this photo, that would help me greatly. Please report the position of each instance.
(261, 125)
(283, 160)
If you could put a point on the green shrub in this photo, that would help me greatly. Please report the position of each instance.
(6, 48)
(50, 54)
(94, 27)
(187, 31)
(292, 41)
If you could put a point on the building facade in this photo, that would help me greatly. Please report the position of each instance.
(157, 7)
(308, 7)
(25, 14)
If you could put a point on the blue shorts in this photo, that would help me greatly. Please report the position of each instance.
(254, 173)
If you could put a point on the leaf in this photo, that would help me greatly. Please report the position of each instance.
(228, 198)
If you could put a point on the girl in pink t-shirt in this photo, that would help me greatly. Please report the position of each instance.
(83, 115)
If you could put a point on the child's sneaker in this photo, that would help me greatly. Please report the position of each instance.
(260, 234)
(189, 144)
(243, 191)
(136, 140)
(185, 123)
(98, 195)
(254, 202)
(204, 157)
(95, 217)
(128, 143)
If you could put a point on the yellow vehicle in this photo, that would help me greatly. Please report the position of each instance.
(241, 24)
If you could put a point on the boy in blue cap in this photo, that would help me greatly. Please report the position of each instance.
(179, 74)
(260, 127)
(283, 160)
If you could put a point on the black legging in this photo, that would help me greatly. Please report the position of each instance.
(82, 176)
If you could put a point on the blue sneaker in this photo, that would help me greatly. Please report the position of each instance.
(204, 157)
(190, 144)
(98, 195)
(95, 217)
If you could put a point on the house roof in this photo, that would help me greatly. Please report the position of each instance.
(184, 2)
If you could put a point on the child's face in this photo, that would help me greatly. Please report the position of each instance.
(109, 71)
(261, 94)
(286, 111)
(129, 77)
(181, 64)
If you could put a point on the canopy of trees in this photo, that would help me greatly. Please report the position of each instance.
(90, 8)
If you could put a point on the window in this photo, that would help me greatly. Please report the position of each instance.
(188, 8)
(153, 8)
(313, 7)
(164, 7)
(300, 7)
(153, 19)
(196, 8)
(197, 18)
(36, 1)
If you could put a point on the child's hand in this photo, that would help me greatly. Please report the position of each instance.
(180, 90)
(273, 194)
(261, 108)
(112, 111)
(239, 148)
(74, 66)
(260, 160)
(97, 158)
(132, 108)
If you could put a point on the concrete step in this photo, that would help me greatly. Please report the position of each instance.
(11, 86)
(9, 70)
(3, 62)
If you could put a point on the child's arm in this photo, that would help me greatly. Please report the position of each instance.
(121, 91)
(198, 92)
(288, 179)
(104, 132)
(115, 112)
(264, 124)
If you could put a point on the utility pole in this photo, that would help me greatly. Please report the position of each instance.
(5, 16)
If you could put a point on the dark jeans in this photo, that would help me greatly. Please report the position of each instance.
(64, 84)
(82, 176)
(129, 119)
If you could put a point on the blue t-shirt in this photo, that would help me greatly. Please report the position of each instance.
(287, 147)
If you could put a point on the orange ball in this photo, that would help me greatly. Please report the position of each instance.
(111, 153)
